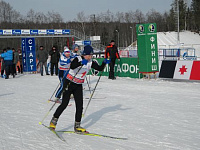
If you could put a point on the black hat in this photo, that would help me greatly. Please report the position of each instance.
(112, 41)
(88, 50)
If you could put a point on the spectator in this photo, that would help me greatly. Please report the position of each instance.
(2, 65)
(15, 60)
(76, 51)
(8, 60)
(19, 67)
(42, 56)
(55, 56)
(111, 53)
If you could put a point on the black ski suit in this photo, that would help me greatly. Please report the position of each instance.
(71, 87)
(55, 56)
(112, 53)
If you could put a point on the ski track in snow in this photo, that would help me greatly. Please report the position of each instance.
(152, 114)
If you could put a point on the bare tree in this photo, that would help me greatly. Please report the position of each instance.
(31, 16)
(7, 14)
(82, 19)
(120, 17)
(139, 17)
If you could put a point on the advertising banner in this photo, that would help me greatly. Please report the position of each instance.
(181, 69)
(26, 31)
(65, 31)
(50, 31)
(34, 32)
(18, 32)
(147, 47)
(126, 67)
(7, 32)
(86, 42)
(28, 54)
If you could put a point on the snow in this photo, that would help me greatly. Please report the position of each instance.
(152, 114)
(187, 39)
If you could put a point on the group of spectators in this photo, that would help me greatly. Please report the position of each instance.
(10, 62)
(42, 56)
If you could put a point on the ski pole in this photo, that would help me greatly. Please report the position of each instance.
(57, 86)
(47, 113)
(55, 101)
(59, 92)
(88, 84)
(54, 91)
(92, 94)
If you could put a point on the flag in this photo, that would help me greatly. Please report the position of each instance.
(183, 70)
(167, 69)
(195, 73)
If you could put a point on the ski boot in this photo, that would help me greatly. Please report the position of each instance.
(71, 96)
(56, 99)
(78, 128)
(53, 123)
(6, 77)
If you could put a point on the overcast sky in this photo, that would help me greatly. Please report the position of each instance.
(69, 8)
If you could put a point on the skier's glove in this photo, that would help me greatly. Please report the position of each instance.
(84, 62)
(106, 61)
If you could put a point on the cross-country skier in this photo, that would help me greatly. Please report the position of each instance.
(64, 66)
(79, 68)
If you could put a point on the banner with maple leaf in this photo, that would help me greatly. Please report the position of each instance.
(182, 69)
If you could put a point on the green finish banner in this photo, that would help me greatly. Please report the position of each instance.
(147, 48)
(126, 67)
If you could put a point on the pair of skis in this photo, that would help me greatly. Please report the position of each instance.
(59, 101)
(55, 132)
(85, 133)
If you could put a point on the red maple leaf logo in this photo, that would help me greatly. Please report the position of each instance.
(183, 69)
(83, 74)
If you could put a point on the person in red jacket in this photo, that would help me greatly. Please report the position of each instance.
(111, 53)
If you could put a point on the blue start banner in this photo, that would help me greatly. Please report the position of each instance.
(28, 54)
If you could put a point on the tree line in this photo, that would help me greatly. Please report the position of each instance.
(107, 24)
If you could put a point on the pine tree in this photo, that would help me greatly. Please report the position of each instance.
(182, 12)
(195, 8)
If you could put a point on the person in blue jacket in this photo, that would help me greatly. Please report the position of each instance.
(3, 65)
(64, 66)
(8, 60)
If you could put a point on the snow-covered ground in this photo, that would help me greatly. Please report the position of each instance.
(152, 114)
(187, 39)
